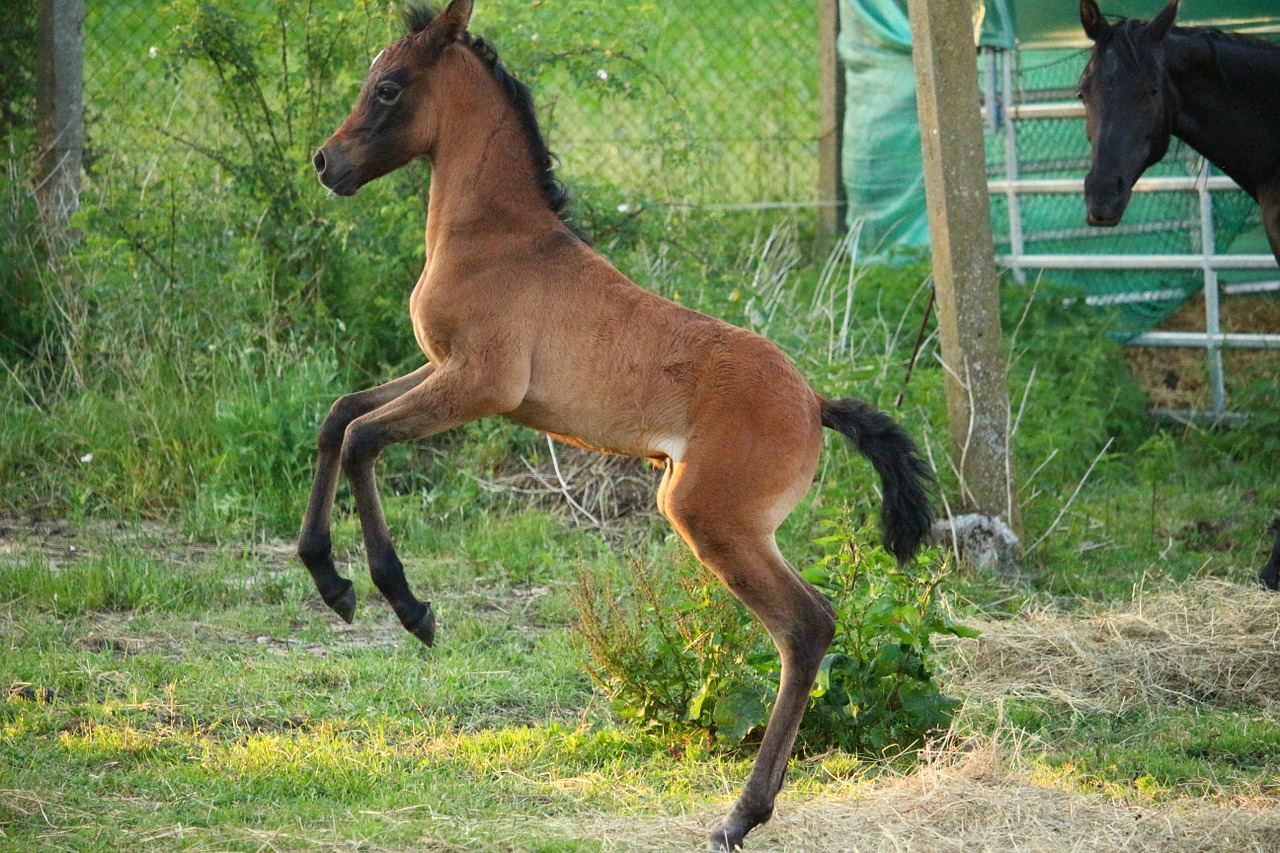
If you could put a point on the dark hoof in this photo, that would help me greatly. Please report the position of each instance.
(1270, 576)
(726, 838)
(345, 604)
(425, 628)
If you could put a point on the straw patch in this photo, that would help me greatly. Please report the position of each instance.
(1207, 641)
(1176, 378)
(977, 796)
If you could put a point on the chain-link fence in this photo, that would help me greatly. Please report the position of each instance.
(709, 104)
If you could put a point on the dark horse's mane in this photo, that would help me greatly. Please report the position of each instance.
(418, 18)
(1124, 32)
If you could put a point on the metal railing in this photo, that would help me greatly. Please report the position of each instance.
(1213, 340)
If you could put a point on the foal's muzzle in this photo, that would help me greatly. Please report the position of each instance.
(334, 174)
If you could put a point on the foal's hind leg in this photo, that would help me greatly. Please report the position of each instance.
(732, 535)
(315, 548)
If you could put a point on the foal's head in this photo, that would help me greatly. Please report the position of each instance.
(400, 109)
(1129, 107)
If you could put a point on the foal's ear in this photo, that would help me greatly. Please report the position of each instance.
(450, 24)
(1090, 16)
(1160, 24)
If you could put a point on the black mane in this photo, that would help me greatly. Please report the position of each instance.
(417, 19)
(1125, 32)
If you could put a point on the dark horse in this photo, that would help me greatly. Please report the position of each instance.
(518, 317)
(1146, 82)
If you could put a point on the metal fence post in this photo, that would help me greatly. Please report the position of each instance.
(831, 194)
(1212, 323)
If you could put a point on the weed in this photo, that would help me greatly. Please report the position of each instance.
(682, 652)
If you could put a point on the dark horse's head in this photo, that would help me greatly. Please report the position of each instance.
(398, 114)
(1129, 106)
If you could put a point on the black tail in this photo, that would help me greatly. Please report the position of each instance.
(905, 516)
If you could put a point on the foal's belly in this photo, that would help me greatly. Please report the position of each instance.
(620, 431)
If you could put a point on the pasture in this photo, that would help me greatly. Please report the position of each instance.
(172, 682)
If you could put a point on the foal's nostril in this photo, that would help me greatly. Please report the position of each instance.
(318, 161)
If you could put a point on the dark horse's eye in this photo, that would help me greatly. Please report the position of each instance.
(386, 93)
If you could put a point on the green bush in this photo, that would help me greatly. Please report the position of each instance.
(875, 693)
(679, 651)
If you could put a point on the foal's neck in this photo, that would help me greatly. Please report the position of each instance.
(482, 175)
(1229, 102)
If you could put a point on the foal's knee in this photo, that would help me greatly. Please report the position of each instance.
(334, 428)
(361, 445)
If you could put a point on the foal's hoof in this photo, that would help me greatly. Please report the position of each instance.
(425, 628)
(345, 604)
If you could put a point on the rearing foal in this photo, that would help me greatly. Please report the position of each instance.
(518, 317)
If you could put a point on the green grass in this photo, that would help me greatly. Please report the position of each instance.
(253, 715)
(1175, 752)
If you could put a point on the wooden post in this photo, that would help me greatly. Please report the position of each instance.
(59, 107)
(830, 121)
(964, 272)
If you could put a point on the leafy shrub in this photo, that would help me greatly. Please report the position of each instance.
(671, 646)
(875, 693)
(680, 651)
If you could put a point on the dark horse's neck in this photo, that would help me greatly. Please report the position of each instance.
(1228, 91)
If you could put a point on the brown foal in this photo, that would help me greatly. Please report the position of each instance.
(519, 317)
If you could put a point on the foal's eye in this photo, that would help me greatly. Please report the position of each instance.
(386, 93)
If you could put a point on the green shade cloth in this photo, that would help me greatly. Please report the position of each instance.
(883, 179)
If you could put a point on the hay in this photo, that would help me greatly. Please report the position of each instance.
(1207, 641)
(973, 796)
(1176, 378)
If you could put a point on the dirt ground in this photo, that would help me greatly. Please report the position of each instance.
(1178, 378)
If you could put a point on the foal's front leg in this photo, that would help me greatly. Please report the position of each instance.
(448, 398)
(315, 548)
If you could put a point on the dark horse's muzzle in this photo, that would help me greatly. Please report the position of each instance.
(1106, 198)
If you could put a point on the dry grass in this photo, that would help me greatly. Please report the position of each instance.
(1204, 642)
(983, 795)
(594, 488)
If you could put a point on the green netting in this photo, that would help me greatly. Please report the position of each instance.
(881, 156)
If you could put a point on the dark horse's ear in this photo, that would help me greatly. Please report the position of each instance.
(1094, 24)
(1160, 24)
(450, 24)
